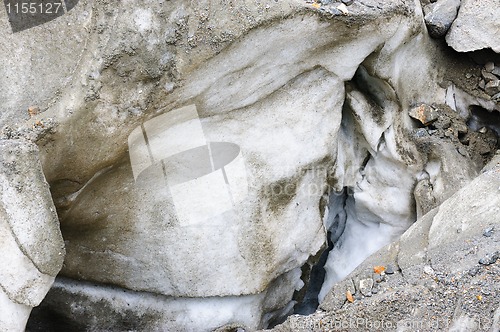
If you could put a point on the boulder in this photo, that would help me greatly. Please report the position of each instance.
(32, 245)
(440, 15)
(476, 26)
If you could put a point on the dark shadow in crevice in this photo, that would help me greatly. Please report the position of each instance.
(481, 118)
(314, 275)
(43, 319)
(310, 303)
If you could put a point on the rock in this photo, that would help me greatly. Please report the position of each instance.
(488, 232)
(492, 87)
(428, 270)
(490, 258)
(489, 66)
(365, 286)
(377, 278)
(496, 71)
(496, 97)
(421, 132)
(463, 151)
(348, 2)
(32, 246)
(424, 113)
(474, 271)
(389, 270)
(476, 26)
(33, 110)
(488, 76)
(343, 9)
(440, 15)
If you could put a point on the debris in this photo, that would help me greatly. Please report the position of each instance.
(33, 110)
(316, 5)
(488, 76)
(38, 124)
(489, 66)
(424, 113)
(389, 269)
(496, 97)
(496, 71)
(428, 270)
(474, 271)
(348, 2)
(490, 259)
(365, 286)
(488, 232)
(349, 297)
(343, 9)
(492, 87)
(462, 151)
(421, 132)
(378, 269)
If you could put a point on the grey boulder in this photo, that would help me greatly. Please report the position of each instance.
(476, 27)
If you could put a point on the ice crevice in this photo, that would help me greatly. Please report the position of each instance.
(311, 101)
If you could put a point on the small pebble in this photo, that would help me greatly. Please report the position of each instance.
(489, 259)
(389, 269)
(474, 271)
(421, 132)
(488, 232)
(428, 270)
(488, 76)
(33, 110)
(348, 2)
(468, 75)
(496, 71)
(462, 151)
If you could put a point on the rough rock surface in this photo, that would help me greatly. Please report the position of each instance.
(31, 243)
(440, 15)
(476, 27)
(446, 277)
